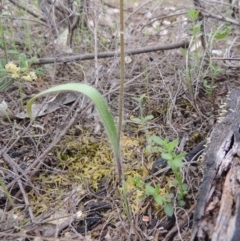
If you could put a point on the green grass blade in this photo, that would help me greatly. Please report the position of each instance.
(5, 85)
(6, 192)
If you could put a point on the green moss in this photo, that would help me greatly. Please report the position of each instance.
(88, 161)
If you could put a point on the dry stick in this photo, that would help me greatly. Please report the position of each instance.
(27, 10)
(14, 165)
(181, 224)
(222, 58)
(23, 19)
(95, 11)
(163, 17)
(70, 58)
(121, 96)
(21, 186)
(222, 18)
(137, 9)
(59, 133)
(22, 234)
(201, 18)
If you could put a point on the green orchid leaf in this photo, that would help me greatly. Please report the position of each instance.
(98, 101)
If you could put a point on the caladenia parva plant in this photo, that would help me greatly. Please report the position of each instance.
(102, 108)
(113, 133)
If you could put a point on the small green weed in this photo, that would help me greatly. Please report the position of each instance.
(190, 68)
(148, 190)
(143, 119)
(220, 33)
(167, 149)
(194, 59)
(210, 86)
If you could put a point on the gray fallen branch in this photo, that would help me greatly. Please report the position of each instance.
(80, 57)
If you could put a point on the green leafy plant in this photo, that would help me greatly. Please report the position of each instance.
(193, 14)
(167, 149)
(220, 33)
(196, 29)
(143, 119)
(214, 70)
(162, 201)
(194, 58)
(154, 192)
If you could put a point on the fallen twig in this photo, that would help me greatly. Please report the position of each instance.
(70, 58)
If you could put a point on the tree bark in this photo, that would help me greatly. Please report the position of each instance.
(217, 214)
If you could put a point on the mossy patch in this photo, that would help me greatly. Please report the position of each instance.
(88, 161)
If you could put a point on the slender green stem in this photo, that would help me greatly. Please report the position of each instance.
(143, 124)
(21, 95)
(6, 192)
(4, 43)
